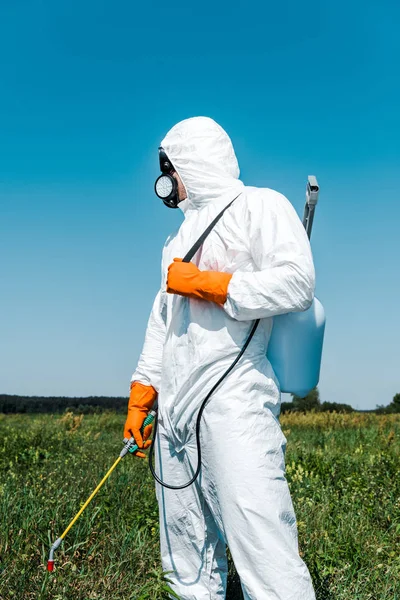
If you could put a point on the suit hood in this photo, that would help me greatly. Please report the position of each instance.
(203, 156)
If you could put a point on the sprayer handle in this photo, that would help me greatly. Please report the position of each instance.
(148, 421)
(130, 445)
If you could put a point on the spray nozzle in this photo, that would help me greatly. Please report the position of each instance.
(55, 546)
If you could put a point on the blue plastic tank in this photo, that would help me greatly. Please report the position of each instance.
(295, 349)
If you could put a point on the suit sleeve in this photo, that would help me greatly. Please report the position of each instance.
(284, 278)
(148, 370)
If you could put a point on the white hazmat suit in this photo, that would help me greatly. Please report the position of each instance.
(241, 498)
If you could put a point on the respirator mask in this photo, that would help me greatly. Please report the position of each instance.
(166, 186)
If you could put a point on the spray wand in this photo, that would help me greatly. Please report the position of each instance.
(131, 447)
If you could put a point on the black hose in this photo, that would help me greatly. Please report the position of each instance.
(202, 407)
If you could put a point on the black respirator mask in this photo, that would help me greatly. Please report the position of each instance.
(166, 186)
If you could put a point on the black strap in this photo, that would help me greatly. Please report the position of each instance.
(188, 257)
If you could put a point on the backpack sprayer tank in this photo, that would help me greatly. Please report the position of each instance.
(295, 346)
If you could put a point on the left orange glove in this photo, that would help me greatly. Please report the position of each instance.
(186, 279)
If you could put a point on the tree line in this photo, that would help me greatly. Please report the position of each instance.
(393, 407)
(56, 404)
(312, 402)
(92, 404)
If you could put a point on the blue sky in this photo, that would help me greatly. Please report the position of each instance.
(88, 90)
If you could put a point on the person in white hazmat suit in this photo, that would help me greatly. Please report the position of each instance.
(255, 264)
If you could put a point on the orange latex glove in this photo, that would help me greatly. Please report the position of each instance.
(186, 279)
(141, 400)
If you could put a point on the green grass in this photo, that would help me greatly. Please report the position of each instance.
(343, 472)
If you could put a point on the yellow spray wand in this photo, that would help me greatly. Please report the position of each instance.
(129, 446)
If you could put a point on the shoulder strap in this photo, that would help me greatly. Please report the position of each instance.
(188, 257)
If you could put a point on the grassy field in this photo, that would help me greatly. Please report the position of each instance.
(343, 472)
